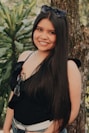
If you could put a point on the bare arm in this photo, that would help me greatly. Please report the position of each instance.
(10, 112)
(8, 119)
(74, 78)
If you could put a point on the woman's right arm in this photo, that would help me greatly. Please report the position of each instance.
(10, 112)
(9, 117)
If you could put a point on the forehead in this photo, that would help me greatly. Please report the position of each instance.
(46, 23)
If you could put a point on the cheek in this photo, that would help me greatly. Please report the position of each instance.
(54, 40)
(34, 36)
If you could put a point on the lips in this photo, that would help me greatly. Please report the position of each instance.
(43, 43)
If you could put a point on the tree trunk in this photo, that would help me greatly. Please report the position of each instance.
(78, 48)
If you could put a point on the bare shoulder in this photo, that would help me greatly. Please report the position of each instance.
(24, 55)
(72, 67)
(75, 87)
(74, 75)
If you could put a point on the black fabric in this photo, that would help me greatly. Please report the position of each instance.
(18, 67)
(77, 61)
(30, 109)
(16, 71)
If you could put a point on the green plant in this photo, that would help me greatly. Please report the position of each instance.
(15, 36)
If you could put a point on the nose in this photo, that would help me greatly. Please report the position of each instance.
(44, 36)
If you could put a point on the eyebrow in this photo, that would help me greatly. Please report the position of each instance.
(38, 26)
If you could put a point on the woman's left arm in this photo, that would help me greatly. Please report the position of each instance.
(74, 78)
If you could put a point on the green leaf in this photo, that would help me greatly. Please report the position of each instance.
(2, 29)
(2, 51)
(7, 67)
(19, 46)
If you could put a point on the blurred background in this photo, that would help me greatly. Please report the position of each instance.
(16, 20)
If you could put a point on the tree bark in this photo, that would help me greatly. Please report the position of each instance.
(78, 48)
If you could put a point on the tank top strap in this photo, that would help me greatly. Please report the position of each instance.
(28, 56)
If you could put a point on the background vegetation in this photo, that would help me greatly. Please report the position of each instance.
(15, 36)
(15, 32)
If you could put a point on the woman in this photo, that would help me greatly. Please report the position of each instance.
(46, 86)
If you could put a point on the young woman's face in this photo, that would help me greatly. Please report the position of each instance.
(44, 35)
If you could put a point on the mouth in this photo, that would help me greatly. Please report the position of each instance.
(43, 43)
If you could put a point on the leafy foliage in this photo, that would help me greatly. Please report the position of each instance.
(15, 36)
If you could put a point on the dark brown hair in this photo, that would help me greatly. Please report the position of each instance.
(52, 76)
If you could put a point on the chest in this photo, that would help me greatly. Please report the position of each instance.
(31, 66)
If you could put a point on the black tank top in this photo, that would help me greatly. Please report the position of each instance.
(29, 109)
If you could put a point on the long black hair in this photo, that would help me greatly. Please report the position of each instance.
(53, 78)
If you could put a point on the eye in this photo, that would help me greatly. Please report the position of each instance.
(39, 29)
(52, 32)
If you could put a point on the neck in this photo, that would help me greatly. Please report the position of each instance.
(42, 53)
